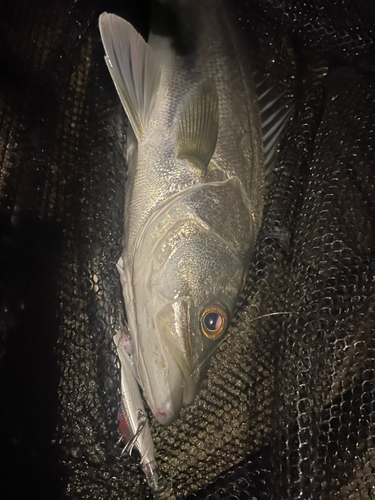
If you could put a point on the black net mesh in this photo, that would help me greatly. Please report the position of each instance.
(287, 408)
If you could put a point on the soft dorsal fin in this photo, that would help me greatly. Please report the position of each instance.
(133, 69)
(199, 125)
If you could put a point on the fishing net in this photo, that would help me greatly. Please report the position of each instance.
(286, 410)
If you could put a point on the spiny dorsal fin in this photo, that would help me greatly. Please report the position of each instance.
(133, 69)
(275, 112)
(199, 125)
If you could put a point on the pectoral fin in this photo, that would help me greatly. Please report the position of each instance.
(133, 69)
(199, 125)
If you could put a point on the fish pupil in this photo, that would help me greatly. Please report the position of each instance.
(212, 321)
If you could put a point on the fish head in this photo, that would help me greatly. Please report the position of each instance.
(190, 286)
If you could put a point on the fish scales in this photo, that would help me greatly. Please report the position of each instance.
(219, 55)
(194, 194)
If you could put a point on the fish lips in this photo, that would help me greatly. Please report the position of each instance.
(172, 324)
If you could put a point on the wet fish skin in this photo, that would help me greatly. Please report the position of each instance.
(194, 195)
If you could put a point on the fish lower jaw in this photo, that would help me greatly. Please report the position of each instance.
(166, 404)
(162, 417)
(166, 399)
(165, 414)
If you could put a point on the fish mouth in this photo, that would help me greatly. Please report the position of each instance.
(178, 382)
(167, 410)
(181, 392)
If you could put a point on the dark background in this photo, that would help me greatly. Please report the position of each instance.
(287, 408)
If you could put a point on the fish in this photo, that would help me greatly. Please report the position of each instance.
(194, 194)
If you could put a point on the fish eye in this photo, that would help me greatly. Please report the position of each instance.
(214, 321)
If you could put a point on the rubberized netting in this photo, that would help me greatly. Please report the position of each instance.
(286, 410)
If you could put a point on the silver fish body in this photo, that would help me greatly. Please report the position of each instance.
(194, 193)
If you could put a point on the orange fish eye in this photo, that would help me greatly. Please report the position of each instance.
(214, 321)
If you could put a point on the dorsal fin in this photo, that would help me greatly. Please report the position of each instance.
(199, 125)
(133, 69)
(275, 112)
